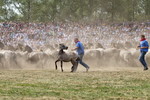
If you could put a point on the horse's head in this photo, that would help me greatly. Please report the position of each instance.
(62, 47)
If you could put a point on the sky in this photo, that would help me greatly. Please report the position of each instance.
(12, 7)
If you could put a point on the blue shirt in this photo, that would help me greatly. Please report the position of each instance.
(80, 49)
(144, 44)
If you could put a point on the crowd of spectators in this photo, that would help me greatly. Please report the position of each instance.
(40, 34)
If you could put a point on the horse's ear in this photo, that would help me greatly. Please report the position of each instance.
(66, 47)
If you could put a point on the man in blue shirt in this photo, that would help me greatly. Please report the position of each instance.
(143, 50)
(80, 51)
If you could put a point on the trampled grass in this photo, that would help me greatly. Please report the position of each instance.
(55, 85)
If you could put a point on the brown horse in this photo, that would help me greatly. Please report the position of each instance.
(67, 57)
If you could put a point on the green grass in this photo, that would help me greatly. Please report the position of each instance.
(55, 85)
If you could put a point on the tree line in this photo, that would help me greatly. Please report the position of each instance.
(74, 10)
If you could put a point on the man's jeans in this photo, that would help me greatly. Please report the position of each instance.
(81, 62)
(142, 59)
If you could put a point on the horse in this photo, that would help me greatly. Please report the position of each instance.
(67, 57)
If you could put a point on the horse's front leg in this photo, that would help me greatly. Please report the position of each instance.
(56, 64)
(62, 66)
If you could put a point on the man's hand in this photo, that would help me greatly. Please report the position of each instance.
(72, 49)
(138, 47)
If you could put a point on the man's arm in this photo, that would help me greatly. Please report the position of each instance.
(144, 47)
(75, 48)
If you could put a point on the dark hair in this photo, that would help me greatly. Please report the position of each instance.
(76, 38)
(143, 36)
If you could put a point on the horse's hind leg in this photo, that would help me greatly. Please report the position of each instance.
(72, 68)
(62, 66)
(75, 65)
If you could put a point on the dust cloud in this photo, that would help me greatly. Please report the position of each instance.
(97, 59)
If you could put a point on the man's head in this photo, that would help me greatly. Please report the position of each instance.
(142, 36)
(76, 40)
